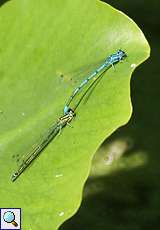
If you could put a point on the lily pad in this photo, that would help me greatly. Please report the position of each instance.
(42, 43)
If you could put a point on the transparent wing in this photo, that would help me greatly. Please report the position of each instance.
(41, 143)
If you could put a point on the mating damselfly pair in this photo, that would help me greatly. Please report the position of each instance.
(69, 111)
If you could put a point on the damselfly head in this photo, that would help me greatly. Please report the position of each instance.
(121, 54)
(71, 112)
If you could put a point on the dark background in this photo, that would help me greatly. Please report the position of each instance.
(3, 2)
(130, 199)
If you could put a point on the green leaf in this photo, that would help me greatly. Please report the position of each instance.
(41, 41)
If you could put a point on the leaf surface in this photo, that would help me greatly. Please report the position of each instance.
(41, 44)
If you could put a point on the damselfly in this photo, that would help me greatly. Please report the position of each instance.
(110, 61)
(68, 112)
(52, 132)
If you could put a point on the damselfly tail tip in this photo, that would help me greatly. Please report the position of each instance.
(67, 110)
(14, 177)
